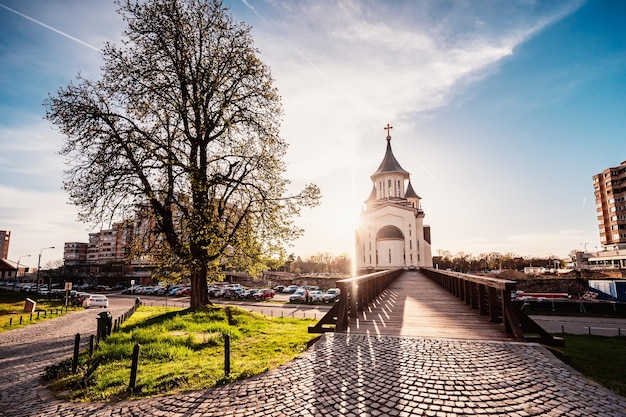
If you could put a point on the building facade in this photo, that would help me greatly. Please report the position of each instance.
(610, 194)
(5, 239)
(391, 232)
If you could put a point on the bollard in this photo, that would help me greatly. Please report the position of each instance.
(31, 316)
(226, 355)
(76, 351)
(133, 368)
(91, 340)
(10, 321)
(589, 330)
(619, 332)
(562, 329)
(20, 319)
(38, 314)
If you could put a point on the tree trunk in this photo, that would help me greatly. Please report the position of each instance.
(199, 289)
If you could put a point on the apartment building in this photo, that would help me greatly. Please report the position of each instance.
(610, 194)
(5, 239)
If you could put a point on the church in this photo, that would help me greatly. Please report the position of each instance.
(391, 232)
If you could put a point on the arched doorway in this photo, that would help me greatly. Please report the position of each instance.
(390, 247)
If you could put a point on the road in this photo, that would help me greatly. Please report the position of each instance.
(277, 307)
(600, 326)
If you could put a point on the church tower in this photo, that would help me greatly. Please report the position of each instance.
(391, 232)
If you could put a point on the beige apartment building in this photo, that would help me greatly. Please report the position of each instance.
(108, 252)
(610, 194)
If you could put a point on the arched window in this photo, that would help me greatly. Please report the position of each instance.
(389, 256)
(398, 190)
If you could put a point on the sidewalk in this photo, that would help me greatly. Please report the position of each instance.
(342, 375)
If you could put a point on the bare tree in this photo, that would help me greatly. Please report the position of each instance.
(185, 120)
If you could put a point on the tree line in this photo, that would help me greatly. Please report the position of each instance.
(466, 262)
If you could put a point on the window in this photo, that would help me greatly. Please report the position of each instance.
(389, 256)
(410, 244)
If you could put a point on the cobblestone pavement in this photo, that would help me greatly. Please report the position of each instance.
(343, 375)
(25, 352)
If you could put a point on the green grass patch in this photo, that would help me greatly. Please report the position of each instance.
(183, 350)
(599, 358)
(12, 308)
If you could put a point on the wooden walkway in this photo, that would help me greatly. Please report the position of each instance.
(414, 305)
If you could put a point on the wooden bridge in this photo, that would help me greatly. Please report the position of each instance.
(430, 303)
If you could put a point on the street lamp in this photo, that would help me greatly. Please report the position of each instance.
(17, 272)
(38, 266)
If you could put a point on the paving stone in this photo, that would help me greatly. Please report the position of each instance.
(343, 375)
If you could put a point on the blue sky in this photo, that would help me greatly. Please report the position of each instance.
(502, 112)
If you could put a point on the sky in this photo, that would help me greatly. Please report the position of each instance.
(502, 111)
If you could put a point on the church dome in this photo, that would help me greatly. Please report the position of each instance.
(389, 232)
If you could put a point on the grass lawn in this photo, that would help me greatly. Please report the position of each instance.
(12, 307)
(183, 350)
(602, 359)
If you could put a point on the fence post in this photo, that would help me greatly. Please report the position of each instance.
(76, 352)
(91, 340)
(133, 368)
(226, 354)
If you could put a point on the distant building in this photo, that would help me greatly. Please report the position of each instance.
(109, 252)
(5, 239)
(391, 232)
(610, 194)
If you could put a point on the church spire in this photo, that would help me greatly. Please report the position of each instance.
(389, 163)
(388, 129)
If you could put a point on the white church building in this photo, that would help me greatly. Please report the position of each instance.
(391, 232)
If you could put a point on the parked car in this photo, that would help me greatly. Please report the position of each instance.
(263, 294)
(278, 288)
(315, 296)
(331, 295)
(173, 290)
(184, 291)
(216, 292)
(298, 295)
(230, 292)
(249, 293)
(79, 297)
(131, 290)
(96, 300)
(291, 289)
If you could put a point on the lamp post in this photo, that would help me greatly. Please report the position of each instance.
(17, 272)
(38, 266)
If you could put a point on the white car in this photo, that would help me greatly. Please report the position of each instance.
(96, 300)
(315, 296)
(331, 295)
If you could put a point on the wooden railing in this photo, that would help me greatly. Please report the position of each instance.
(356, 294)
(492, 297)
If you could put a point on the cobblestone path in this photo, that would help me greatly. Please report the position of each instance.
(343, 375)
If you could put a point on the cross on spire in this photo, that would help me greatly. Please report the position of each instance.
(388, 129)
